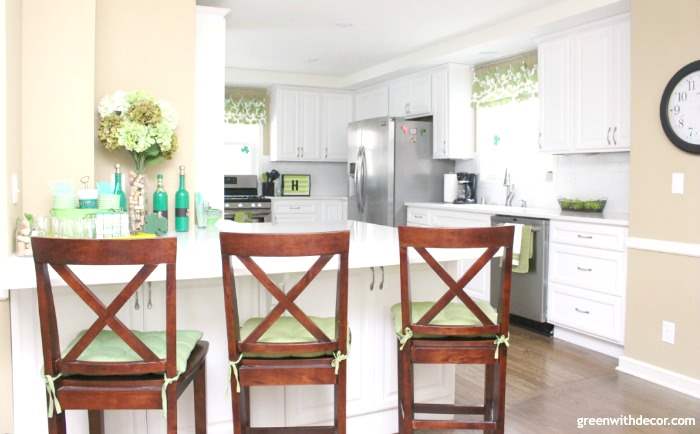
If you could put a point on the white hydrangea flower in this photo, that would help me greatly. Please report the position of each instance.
(134, 137)
(115, 102)
(169, 114)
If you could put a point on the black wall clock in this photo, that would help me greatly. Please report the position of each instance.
(680, 108)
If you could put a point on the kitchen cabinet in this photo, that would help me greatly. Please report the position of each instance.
(480, 286)
(453, 117)
(308, 125)
(584, 78)
(587, 279)
(309, 210)
(372, 103)
(410, 96)
(336, 114)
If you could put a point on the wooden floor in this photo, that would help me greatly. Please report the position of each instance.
(551, 383)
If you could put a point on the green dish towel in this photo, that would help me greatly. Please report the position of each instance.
(288, 330)
(109, 347)
(453, 314)
(521, 260)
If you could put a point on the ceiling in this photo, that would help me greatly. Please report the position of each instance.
(343, 37)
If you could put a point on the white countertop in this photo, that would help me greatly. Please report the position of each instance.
(613, 219)
(274, 198)
(199, 255)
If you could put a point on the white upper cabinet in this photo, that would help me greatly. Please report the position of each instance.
(555, 95)
(336, 114)
(308, 125)
(584, 89)
(372, 103)
(453, 117)
(410, 96)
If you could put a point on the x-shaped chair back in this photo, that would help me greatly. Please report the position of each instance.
(325, 245)
(492, 239)
(59, 254)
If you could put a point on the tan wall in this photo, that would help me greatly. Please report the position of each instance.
(159, 61)
(662, 287)
(13, 151)
(58, 94)
(5, 369)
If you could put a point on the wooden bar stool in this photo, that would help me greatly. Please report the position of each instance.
(282, 350)
(119, 369)
(465, 332)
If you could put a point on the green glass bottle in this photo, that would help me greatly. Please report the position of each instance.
(160, 198)
(118, 190)
(182, 205)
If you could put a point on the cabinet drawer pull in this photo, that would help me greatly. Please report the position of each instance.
(609, 135)
(381, 283)
(585, 312)
(294, 207)
(418, 216)
(584, 269)
(613, 135)
(585, 237)
(371, 284)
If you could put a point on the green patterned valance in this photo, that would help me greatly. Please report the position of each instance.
(503, 82)
(245, 111)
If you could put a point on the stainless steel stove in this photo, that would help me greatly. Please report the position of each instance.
(242, 202)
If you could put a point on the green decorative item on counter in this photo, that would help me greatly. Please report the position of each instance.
(118, 190)
(296, 185)
(582, 205)
(160, 199)
(182, 205)
(156, 224)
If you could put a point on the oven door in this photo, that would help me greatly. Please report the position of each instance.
(249, 215)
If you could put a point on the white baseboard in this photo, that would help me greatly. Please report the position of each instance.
(599, 345)
(661, 376)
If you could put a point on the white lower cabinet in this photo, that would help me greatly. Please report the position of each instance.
(309, 210)
(587, 279)
(480, 286)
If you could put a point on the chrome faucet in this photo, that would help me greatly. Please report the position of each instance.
(510, 189)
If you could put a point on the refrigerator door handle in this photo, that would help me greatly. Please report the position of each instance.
(363, 179)
(357, 179)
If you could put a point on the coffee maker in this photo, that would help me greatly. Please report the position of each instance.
(466, 187)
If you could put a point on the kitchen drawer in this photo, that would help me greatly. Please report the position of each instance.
(458, 219)
(588, 235)
(300, 207)
(593, 269)
(417, 216)
(295, 218)
(587, 312)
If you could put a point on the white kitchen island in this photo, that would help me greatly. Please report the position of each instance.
(374, 287)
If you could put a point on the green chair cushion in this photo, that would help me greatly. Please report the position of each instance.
(109, 347)
(453, 314)
(288, 330)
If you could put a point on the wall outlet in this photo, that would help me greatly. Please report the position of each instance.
(668, 332)
(677, 182)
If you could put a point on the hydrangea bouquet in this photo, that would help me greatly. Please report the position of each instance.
(138, 123)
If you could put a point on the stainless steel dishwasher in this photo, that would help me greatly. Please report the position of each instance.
(528, 300)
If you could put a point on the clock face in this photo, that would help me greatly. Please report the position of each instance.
(680, 108)
(684, 108)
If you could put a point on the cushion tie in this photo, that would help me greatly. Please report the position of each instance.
(49, 382)
(233, 368)
(338, 357)
(501, 339)
(405, 337)
(163, 392)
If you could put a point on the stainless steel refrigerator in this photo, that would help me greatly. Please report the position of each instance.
(390, 162)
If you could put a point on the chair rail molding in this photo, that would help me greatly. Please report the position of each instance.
(664, 246)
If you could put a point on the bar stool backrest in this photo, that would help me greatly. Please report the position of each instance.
(59, 254)
(325, 245)
(492, 239)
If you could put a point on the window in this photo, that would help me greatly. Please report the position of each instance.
(242, 148)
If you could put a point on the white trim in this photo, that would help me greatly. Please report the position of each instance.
(663, 246)
(212, 10)
(661, 376)
(598, 345)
